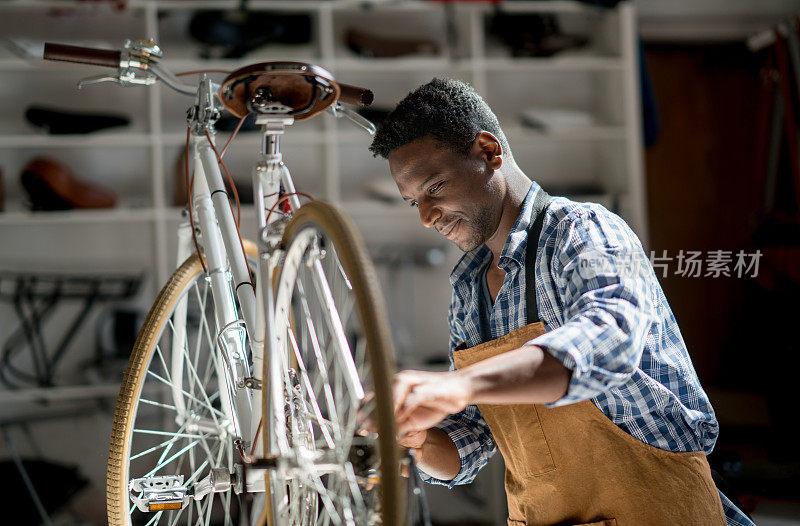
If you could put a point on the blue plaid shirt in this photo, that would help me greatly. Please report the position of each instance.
(607, 320)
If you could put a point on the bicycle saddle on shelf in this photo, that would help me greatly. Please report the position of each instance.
(289, 88)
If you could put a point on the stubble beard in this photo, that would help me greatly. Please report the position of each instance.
(475, 232)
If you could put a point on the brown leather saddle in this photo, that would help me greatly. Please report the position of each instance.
(297, 89)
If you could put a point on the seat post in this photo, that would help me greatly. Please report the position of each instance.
(270, 170)
(273, 127)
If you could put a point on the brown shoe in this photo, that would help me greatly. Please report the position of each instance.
(52, 186)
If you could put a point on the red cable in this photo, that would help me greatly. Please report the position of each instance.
(230, 180)
(230, 140)
(238, 209)
(284, 197)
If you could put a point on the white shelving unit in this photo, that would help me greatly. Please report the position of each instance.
(328, 158)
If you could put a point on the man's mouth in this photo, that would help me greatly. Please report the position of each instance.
(450, 229)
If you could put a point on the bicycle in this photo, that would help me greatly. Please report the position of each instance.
(291, 328)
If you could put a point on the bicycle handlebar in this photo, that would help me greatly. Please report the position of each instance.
(355, 95)
(349, 94)
(82, 55)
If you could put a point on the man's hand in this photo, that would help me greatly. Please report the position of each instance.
(423, 399)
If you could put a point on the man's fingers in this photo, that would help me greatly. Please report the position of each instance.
(422, 398)
(403, 385)
(423, 416)
(412, 402)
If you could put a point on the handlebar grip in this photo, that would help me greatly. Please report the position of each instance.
(355, 95)
(82, 55)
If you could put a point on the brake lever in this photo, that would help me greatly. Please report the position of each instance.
(339, 111)
(124, 77)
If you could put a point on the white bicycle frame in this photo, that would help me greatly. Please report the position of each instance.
(228, 274)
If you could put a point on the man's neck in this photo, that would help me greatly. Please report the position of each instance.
(518, 186)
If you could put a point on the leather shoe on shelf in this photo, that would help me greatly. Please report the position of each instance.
(58, 122)
(52, 186)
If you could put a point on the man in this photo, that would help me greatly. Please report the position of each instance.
(559, 332)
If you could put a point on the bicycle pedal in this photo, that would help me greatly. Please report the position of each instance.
(152, 494)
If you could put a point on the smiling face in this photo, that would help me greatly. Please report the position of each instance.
(460, 196)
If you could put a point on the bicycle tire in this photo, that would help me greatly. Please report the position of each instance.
(117, 476)
(358, 271)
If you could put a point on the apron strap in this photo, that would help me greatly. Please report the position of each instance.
(540, 204)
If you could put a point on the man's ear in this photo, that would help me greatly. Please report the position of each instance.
(488, 148)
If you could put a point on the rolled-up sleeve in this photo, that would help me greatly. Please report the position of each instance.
(470, 433)
(467, 429)
(603, 279)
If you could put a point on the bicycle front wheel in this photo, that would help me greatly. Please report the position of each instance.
(171, 419)
(334, 368)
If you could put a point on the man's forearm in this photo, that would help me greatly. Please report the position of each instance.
(438, 456)
(528, 375)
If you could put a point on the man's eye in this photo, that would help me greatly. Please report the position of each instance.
(412, 203)
(435, 188)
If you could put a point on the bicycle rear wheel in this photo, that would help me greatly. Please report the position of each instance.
(169, 418)
(335, 366)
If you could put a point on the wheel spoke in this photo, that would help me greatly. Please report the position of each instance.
(323, 369)
(192, 369)
(155, 519)
(177, 515)
(167, 443)
(311, 395)
(160, 379)
(205, 330)
(170, 459)
(196, 473)
(163, 363)
(159, 404)
(355, 491)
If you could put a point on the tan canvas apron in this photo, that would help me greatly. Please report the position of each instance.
(571, 465)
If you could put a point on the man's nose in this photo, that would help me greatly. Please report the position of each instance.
(428, 213)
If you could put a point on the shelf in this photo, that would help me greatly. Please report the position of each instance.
(72, 217)
(335, 64)
(518, 134)
(400, 64)
(515, 134)
(255, 5)
(250, 138)
(76, 141)
(344, 135)
(557, 6)
(59, 394)
(552, 6)
(557, 63)
(17, 64)
(191, 64)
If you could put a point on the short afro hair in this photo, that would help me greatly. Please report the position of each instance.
(449, 110)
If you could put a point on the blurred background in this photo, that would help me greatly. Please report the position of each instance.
(680, 116)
